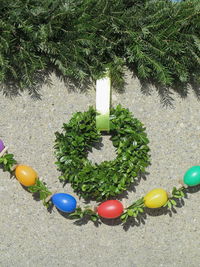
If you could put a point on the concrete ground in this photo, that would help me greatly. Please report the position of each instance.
(30, 236)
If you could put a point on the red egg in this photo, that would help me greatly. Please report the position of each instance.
(110, 209)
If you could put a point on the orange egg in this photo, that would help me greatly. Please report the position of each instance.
(26, 175)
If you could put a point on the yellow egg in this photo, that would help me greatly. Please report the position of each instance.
(156, 198)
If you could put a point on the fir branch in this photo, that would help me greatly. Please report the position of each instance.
(80, 39)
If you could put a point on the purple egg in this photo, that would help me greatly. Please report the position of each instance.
(1, 145)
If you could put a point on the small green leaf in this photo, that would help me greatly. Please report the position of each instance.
(94, 218)
(169, 204)
(173, 202)
(135, 214)
(123, 216)
(140, 210)
(130, 212)
(84, 187)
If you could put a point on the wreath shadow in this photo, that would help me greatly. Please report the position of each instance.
(131, 222)
(132, 187)
(79, 222)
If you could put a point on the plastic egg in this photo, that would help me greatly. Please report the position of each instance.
(110, 209)
(1, 145)
(156, 198)
(64, 202)
(26, 175)
(192, 176)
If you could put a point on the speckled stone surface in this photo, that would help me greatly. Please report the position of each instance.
(30, 236)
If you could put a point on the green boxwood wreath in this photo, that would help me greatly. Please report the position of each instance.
(109, 178)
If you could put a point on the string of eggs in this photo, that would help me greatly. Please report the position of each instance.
(109, 209)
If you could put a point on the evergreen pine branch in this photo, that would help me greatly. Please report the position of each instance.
(157, 40)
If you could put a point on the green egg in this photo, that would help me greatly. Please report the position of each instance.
(192, 176)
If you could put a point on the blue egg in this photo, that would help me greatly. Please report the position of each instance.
(64, 202)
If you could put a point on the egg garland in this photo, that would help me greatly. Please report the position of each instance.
(109, 209)
(72, 146)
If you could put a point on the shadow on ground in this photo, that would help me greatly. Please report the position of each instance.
(12, 88)
(131, 222)
(141, 219)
